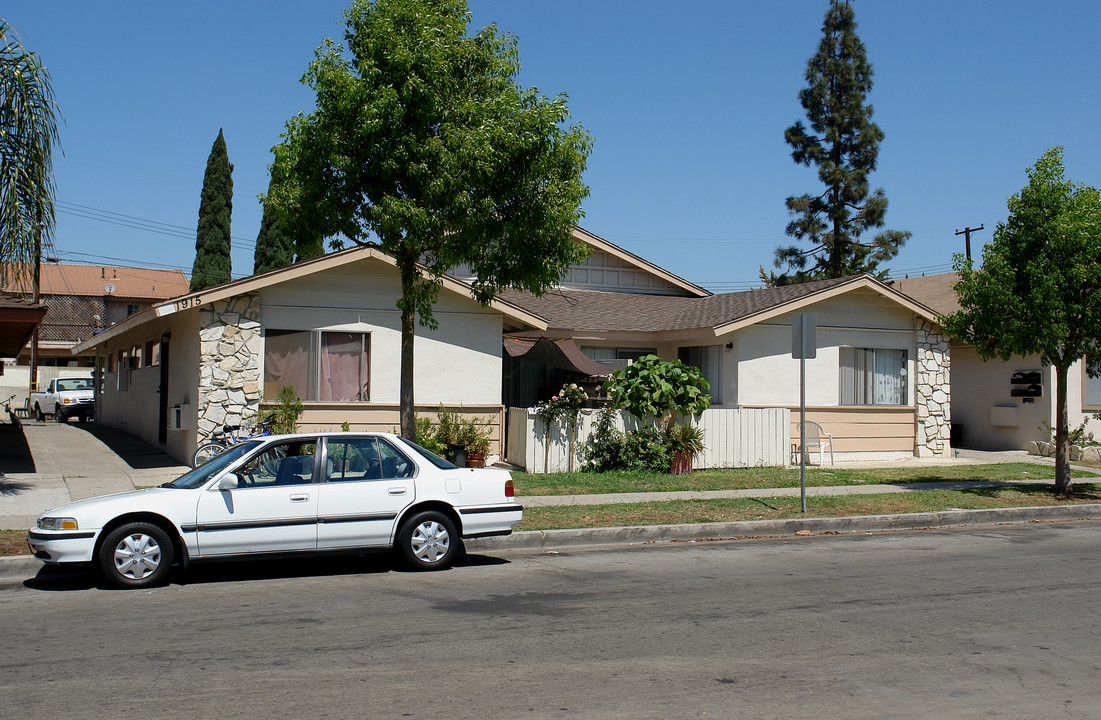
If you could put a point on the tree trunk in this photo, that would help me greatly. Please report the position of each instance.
(407, 412)
(1062, 435)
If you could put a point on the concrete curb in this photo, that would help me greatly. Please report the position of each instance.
(25, 567)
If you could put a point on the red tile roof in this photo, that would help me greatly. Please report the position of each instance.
(127, 282)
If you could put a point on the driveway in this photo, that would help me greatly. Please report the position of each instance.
(43, 465)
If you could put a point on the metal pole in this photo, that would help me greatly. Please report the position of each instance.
(803, 428)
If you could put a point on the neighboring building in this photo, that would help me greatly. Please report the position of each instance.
(81, 299)
(1003, 405)
(18, 319)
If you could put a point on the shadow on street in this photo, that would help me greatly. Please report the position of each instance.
(134, 452)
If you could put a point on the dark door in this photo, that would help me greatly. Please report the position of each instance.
(162, 431)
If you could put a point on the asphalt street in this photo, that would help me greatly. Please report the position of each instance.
(990, 621)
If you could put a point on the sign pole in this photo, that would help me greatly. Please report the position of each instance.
(804, 345)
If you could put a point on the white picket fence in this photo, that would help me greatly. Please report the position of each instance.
(733, 437)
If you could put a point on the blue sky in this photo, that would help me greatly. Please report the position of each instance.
(687, 108)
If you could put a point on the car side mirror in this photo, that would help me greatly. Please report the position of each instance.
(228, 482)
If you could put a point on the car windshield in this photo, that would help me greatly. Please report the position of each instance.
(431, 456)
(74, 384)
(202, 474)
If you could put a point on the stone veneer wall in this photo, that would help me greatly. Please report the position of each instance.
(230, 348)
(934, 418)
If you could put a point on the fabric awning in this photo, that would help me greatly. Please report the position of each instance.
(562, 353)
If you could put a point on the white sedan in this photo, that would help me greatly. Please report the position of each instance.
(286, 494)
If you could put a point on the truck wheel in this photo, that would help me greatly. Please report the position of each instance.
(59, 416)
(38, 414)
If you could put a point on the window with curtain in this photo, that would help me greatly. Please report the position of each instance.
(1091, 389)
(708, 358)
(873, 376)
(322, 366)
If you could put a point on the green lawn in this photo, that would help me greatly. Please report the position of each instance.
(579, 483)
(775, 508)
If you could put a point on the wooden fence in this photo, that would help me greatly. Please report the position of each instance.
(733, 437)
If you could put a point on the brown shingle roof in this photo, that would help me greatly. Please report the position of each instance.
(617, 311)
(128, 282)
(936, 292)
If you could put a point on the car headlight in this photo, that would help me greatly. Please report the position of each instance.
(57, 523)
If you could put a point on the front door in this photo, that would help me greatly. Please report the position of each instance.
(366, 484)
(272, 509)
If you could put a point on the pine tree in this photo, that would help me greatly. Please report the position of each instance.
(274, 247)
(212, 240)
(843, 143)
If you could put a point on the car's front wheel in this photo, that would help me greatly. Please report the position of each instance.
(136, 555)
(58, 415)
(428, 541)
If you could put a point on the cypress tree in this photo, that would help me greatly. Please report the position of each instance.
(212, 240)
(843, 143)
(274, 247)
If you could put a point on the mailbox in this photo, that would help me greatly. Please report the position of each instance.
(1027, 384)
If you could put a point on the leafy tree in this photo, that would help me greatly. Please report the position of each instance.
(213, 263)
(28, 132)
(843, 143)
(274, 247)
(1038, 288)
(423, 139)
(651, 387)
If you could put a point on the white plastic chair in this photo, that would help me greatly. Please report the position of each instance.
(820, 440)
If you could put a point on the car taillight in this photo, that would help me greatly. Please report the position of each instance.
(509, 490)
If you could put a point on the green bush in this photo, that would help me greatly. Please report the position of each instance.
(610, 449)
(653, 388)
(283, 418)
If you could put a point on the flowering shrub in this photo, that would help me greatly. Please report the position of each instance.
(566, 405)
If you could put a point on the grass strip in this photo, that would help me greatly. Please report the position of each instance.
(579, 483)
(776, 508)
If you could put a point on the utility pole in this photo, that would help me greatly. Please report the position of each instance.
(966, 232)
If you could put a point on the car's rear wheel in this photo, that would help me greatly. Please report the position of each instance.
(206, 452)
(38, 414)
(136, 555)
(428, 541)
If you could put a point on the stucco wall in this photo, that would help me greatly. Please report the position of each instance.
(768, 375)
(458, 363)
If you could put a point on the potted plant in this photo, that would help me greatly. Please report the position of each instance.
(475, 442)
(685, 442)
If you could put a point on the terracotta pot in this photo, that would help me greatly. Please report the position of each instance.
(681, 464)
(475, 460)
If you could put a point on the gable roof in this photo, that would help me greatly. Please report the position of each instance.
(599, 243)
(723, 313)
(127, 282)
(935, 291)
(518, 315)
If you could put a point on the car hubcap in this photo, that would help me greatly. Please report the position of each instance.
(430, 541)
(137, 556)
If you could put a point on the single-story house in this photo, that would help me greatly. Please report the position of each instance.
(1000, 405)
(175, 372)
(329, 327)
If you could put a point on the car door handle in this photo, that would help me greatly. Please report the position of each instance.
(397, 491)
(299, 498)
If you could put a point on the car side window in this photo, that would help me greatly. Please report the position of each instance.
(289, 463)
(353, 459)
(394, 464)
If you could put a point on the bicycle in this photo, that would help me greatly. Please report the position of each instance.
(223, 439)
(11, 413)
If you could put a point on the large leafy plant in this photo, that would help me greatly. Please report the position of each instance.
(654, 388)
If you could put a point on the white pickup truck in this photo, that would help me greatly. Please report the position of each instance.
(65, 398)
